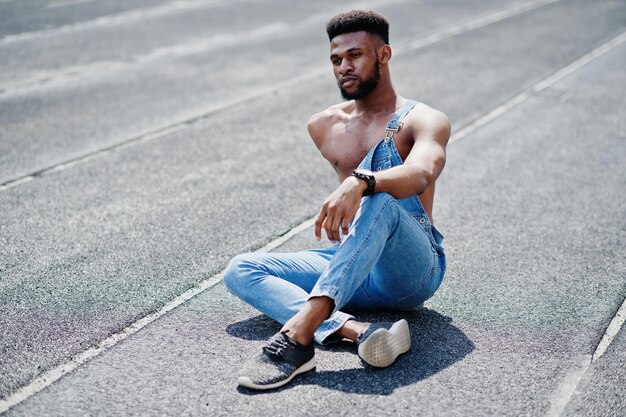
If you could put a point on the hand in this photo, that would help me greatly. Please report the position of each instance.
(339, 209)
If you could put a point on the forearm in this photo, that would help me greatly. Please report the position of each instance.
(404, 180)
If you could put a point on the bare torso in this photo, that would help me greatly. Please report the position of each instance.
(347, 136)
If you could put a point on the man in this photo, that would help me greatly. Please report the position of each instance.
(387, 152)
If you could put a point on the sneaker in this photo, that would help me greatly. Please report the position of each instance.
(381, 343)
(280, 360)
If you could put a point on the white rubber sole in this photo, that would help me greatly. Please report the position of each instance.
(383, 346)
(244, 381)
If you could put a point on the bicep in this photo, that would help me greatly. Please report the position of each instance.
(430, 156)
(429, 148)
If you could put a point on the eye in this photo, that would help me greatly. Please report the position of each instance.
(355, 55)
(336, 61)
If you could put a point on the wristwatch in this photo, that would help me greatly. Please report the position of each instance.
(368, 177)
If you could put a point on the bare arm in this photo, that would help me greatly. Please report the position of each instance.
(340, 207)
(425, 161)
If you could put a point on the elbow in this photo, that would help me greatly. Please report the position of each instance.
(422, 184)
(428, 173)
(415, 184)
(422, 180)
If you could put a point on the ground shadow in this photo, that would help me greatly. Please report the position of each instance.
(435, 345)
(255, 328)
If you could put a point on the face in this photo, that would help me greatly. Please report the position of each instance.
(355, 64)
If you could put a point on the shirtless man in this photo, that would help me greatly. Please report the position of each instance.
(385, 253)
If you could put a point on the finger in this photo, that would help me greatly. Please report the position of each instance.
(319, 222)
(331, 212)
(345, 225)
(347, 219)
(328, 222)
(335, 228)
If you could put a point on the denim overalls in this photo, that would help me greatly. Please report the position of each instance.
(391, 258)
(384, 156)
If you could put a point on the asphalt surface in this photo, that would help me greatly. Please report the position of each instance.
(142, 146)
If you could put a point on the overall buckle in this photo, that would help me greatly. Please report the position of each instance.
(390, 131)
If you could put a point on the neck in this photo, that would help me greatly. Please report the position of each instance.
(383, 98)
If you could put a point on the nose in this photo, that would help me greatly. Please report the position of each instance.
(345, 67)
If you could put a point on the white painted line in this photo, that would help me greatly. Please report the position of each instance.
(538, 87)
(180, 124)
(476, 23)
(129, 16)
(55, 4)
(15, 183)
(53, 375)
(565, 390)
(567, 387)
(611, 332)
(486, 118)
(171, 127)
(291, 233)
(141, 14)
(582, 61)
(36, 80)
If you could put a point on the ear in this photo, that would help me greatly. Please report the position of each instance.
(384, 54)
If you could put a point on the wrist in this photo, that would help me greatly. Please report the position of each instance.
(366, 179)
(360, 185)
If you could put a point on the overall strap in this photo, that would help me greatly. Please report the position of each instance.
(396, 123)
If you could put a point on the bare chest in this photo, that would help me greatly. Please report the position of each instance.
(348, 145)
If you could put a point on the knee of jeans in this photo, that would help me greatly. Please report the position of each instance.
(236, 274)
(377, 201)
(380, 198)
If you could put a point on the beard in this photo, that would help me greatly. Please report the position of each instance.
(365, 87)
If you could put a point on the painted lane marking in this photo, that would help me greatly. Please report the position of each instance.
(53, 375)
(611, 331)
(53, 78)
(476, 23)
(154, 133)
(36, 79)
(538, 87)
(564, 391)
(129, 16)
(55, 4)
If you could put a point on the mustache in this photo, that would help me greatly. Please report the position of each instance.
(347, 78)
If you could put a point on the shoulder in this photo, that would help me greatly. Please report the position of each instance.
(427, 122)
(320, 124)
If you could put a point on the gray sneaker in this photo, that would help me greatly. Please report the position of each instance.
(381, 343)
(280, 360)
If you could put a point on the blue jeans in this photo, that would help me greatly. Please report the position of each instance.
(389, 260)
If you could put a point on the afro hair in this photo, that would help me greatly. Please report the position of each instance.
(359, 20)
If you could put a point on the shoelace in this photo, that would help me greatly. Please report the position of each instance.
(276, 347)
